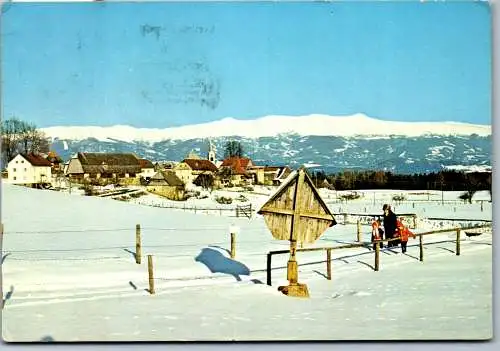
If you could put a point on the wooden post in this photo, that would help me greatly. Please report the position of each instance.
(138, 251)
(482, 206)
(415, 222)
(1, 250)
(421, 245)
(292, 266)
(150, 273)
(233, 245)
(457, 250)
(329, 264)
(268, 268)
(345, 218)
(359, 231)
(377, 255)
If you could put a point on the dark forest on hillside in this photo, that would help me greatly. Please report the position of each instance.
(444, 180)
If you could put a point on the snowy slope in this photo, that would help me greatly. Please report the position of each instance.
(318, 125)
(69, 275)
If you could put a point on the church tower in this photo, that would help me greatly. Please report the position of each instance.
(211, 152)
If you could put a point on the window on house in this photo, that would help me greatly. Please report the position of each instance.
(13, 169)
(17, 161)
(14, 178)
(22, 161)
(25, 169)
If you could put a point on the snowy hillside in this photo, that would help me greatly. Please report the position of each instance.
(318, 125)
(330, 153)
(69, 275)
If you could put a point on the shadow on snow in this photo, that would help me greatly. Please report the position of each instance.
(218, 263)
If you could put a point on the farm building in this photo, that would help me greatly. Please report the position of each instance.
(257, 173)
(167, 184)
(184, 172)
(29, 169)
(124, 167)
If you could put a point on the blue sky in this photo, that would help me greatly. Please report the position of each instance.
(168, 64)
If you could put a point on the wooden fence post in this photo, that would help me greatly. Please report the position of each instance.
(482, 206)
(457, 250)
(345, 218)
(329, 264)
(359, 231)
(1, 249)
(150, 273)
(415, 222)
(233, 245)
(268, 268)
(138, 251)
(421, 245)
(377, 255)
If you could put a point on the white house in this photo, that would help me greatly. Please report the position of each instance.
(29, 169)
(147, 169)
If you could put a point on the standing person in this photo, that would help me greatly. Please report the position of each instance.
(389, 224)
(404, 233)
(377, 232)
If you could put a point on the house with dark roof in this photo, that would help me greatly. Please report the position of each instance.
(167, 184)
(147, 169)
(126, 167)
(29, 169)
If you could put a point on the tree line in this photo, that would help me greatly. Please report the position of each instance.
(21, 137)
(447, 180)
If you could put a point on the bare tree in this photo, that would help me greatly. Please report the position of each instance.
(10, 138)
(21, 136)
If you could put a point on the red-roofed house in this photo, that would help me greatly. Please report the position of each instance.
(238, 168)
(29, 169)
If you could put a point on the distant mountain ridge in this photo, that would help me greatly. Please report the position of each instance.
(328, 143)
(317, 125)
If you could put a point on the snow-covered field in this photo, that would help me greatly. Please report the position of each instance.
(69, 273)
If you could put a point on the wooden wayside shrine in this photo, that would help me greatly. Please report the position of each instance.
(296, 212)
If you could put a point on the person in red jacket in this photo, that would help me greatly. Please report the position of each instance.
(404, 233)
(377, 232)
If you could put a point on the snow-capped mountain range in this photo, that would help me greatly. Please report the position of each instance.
(317, 125)
(331, 143)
